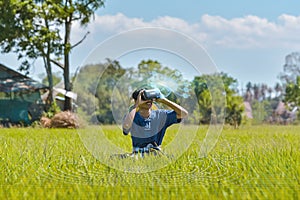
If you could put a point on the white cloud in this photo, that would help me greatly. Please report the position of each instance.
(181, 26)
(252, 31)
(117, 23)
(244, 32)
(290, 21)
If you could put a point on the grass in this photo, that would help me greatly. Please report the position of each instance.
(258, 162)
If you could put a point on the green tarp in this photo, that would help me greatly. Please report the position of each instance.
(14, 111)
(19, 96)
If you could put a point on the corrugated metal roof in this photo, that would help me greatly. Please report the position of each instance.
(12, 81)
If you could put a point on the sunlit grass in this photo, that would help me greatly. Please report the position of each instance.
(259, 162)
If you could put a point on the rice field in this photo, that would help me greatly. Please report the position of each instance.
(255, 162)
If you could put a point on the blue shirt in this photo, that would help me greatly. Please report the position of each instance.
(152, 129)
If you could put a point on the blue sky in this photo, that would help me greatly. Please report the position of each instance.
(191, 10)
(246, 39)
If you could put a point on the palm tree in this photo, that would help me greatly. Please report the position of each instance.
(256, 91)
(248, 96)
(270, 91)
(263, 90)
(278, 89)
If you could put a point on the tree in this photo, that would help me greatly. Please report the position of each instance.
(248, 96)
(56, 77)
(111, 92)
(291, 68)
(94, 85)
(27, 32)
(206, 85)
(69, 11)
(256, 92)
(278, 89)
(203, 98)
(85, 86)
(292, 94)
(270, 91)
(263, 91)
(234, 102)
(151, 73)
(249, 86)
(37, 27)
(104, 93)
(261, 110)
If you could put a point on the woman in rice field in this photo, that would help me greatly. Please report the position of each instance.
(148, 126)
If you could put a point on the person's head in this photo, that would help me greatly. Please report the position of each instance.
(135, 94)
(146, 104)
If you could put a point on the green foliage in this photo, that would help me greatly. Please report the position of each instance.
(31, 39)
(33, 30)
(53, 109)
(95, 98)
(291, 68)
(104, 92)
(146, 69)
(261, 110)
(150, 72)
(227, 104)
(204, 99)
(234, 110)
(292, 94)
(260, 162)
(101, 85)
(94, 86)
(57, 78)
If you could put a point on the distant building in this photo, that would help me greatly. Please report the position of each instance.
(248, 110)
(20, 97)
(281, 115)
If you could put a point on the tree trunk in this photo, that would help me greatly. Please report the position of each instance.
(68, 87)
(50, 82)
(47, 62)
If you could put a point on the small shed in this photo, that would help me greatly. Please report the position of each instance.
(20, 97)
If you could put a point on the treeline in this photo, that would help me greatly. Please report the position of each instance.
(104, 91)
(278, 104)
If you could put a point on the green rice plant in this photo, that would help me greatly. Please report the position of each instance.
(253, 162)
